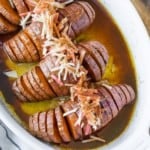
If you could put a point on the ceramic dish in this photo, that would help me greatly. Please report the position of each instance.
(136, 135)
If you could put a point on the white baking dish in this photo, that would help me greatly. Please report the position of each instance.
(136, 135)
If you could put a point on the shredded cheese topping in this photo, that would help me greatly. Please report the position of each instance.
(87, 107)
(107, 86)
(94, 138)
(11, 3)
(25, 19)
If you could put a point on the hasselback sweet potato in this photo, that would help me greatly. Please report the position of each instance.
(48, 86)
(60, 124)
(80, 15)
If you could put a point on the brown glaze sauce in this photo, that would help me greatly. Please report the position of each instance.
(119, 70)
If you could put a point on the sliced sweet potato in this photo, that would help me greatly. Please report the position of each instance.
(72, 119)
(78, 18)
(29, 86)
(16, 50)
(39, 84)
(88, 9)
(31, 125)
(24, 90)
(62, 125)
(30, 4)
(126, 93)
(27, 89)
(100, 59)
(8, 12)
(62, 90)
(36, 28)
(9, 52)
(35, 120)
(52, 129)
(104, 116)
(20, 6)
(35, 85)
(6, 27)
(110, 100)
(120, 92)
(43, 82)
(44, 68)
(131, 91)
(93, 69)
(17, 92)
(101, 49)
(50, 64)
(107, 111)
(43, 126)
(34, 39)
(23, 49)
(106, 104)
(29, 47)
(94, 53)
(115, 96)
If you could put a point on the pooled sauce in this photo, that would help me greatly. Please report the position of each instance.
(120, 69)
